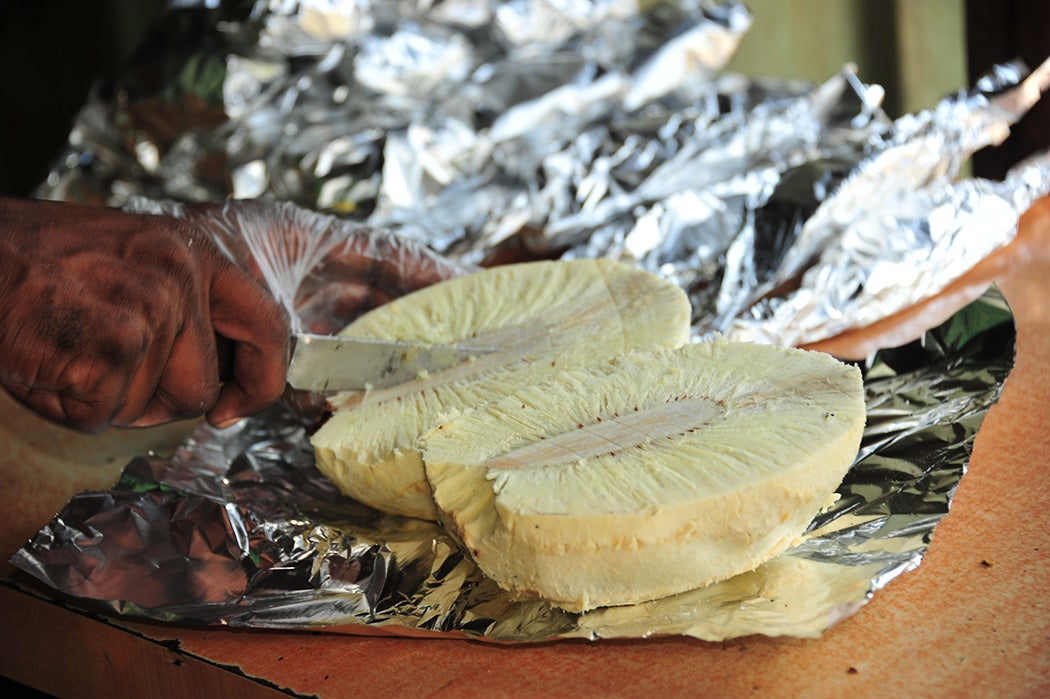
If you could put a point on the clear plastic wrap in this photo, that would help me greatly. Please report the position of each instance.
(324, 270)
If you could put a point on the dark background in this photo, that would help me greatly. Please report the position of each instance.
(51, 51)
(999, 31)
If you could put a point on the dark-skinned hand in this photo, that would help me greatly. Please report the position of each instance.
(329, 269)
(110, 318)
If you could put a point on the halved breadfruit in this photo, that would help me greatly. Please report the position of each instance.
(652, 474)
(544, 316)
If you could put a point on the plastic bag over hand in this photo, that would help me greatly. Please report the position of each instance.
(324, 270)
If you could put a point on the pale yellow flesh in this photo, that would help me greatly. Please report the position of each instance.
(548, 316)
(649, 475)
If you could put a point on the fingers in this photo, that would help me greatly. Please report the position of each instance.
(254, 332)
(109, 318)
(85, 394)
(188, 385)
(128, 373)
(139, 408)
(244, 312)
(62, 408)
(159, 291)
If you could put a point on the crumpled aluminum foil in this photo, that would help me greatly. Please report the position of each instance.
(572, 129)
(239, 528)
(789, 212)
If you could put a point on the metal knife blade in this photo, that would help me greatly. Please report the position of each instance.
(323, 363)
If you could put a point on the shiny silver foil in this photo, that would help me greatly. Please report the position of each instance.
(239, 528)
(899, 213)
(605, 128)
(789, 212)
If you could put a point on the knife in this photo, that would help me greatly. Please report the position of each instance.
(322, 363)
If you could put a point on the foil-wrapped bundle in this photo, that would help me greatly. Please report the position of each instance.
(571, 129)
(789, 213)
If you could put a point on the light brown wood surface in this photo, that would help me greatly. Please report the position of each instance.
(972, 621)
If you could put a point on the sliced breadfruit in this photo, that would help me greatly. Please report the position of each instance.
(653, 474)
(543, 316)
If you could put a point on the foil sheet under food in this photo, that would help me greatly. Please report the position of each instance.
(789, 213)
(239, 528)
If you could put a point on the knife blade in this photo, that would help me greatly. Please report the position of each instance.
(324, 363)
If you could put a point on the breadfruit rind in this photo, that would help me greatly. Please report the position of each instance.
(547, 316)
(656, 473)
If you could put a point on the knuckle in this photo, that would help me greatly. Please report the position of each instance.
(92, 395)
(85, 418)
(79, 400)
(111, 364)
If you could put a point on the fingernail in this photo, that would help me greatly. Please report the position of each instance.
(223, 424)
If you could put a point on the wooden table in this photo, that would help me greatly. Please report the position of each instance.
(973, 620)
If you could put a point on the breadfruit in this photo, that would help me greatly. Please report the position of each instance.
(647, 475)
(543, 316)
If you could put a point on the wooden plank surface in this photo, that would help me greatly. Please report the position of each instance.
(67, 654)
(973, 620)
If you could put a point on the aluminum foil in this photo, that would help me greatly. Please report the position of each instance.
(239, 528)
(900, 213)
(789, 212)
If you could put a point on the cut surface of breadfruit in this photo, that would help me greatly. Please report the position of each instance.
(543, 316)
(657, 473)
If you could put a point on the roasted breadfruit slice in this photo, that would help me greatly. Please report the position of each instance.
(547, 316)
(656, 473)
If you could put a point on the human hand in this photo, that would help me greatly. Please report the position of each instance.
(110, 318)
(329, 270)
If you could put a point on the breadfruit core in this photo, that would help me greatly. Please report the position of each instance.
(653, 474)
(544, 316)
